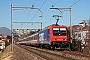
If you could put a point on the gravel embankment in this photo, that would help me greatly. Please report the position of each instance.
(22, 54)
(6, 54)
(18, 54)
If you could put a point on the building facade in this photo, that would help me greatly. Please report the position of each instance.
(81, 32)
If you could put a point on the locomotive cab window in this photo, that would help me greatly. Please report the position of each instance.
(59, 31)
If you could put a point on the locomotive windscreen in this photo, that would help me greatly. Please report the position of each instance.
(59, 31)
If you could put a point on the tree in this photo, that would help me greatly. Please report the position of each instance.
(87, 48)
(89, 35)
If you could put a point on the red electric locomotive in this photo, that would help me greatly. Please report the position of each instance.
(54, 36)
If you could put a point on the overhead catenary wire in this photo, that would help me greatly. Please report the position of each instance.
(83, 1)
(48, 20)
(54, 4)
(11, 1)
(37, 12)
(57, 2)
(75, 3)
(29, 11)
(46, 13)
(63, 11)
(34, 2)
(49, 10)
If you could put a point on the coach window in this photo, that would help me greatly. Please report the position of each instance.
(35, 37)
(29, 38)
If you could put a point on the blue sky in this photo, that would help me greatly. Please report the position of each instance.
(80, 11)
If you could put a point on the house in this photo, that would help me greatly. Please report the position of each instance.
(81, 32)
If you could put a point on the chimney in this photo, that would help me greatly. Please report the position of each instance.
(83, 23)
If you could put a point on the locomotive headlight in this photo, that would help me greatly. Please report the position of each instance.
(64, 39)
(54, 39)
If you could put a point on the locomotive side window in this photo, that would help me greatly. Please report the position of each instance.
(59, 31)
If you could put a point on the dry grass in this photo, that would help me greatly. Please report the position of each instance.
(6, 54)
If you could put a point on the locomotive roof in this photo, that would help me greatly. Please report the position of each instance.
(50, 26)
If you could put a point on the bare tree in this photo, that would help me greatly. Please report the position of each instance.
(89, 36)
(89, 30)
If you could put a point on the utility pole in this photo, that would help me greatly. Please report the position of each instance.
(12, 27)
(20, 8)
(67, 9)
(71, 24)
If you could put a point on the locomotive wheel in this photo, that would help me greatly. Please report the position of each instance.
(52, 47)
(41, 46)
(48, 46)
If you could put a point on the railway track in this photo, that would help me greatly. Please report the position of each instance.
(54, 55)
(77, 54)
(48, 55)
(45, 54)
